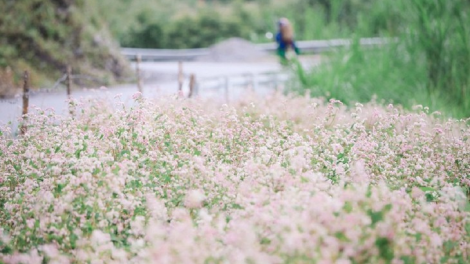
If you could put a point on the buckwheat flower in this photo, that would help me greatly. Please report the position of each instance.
(156, 207)
(436, 240)
(194, 199)
(298, 162)
(137, 95)
(103, 224)
(180, 94)
(4, 237)
(119, 254)
(50, 250)
(34, 258)
(99, 237)
(343, 261)
(204, 216)
(180, 214)
(138, 225)
(30, 223)
(358, 172)
(47, 196)
(138, 244)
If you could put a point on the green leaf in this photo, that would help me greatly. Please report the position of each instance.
(427, 189)
(6, 250)
(348, 207)
(369, 191)
(429, 197)
(385, 248)
(77, 153)
(450, 245)
(387, 208)
(407, 260)
(236, 206)
(418, 237)
(59, 188)
(375, 217)
(341, 236)
(57, 148)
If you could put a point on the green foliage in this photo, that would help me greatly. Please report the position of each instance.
(149, 37)
(191, 30)
(312, 19)
(45, 36)
(428, 64)
(358, 75)
(441, 30)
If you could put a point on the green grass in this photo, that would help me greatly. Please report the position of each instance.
(428, 65)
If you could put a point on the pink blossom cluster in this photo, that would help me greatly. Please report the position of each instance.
(264, 180)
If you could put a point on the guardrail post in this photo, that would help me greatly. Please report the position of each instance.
(137, 69)
(226, 88)
(274, 81)
(196, 87)
(254, 82)
(180, 77)
(192, 84)
(25, 101)
(250, 81)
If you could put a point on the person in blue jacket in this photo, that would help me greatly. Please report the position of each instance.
(285, 39)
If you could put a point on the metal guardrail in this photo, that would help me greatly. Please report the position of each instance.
(231, 87)
(314, 46)
(164, 54)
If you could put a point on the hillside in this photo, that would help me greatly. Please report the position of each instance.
(45, 36)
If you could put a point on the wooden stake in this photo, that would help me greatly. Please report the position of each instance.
(69, 81)
(180, 77)
(139, 81)
(69, 88)
(192, 84)
(25, 101)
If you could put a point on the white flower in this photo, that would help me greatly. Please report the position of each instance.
(194, 199)
(156, 207)
(99, 237)
(50, 250)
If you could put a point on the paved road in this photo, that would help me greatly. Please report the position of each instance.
(160, 79)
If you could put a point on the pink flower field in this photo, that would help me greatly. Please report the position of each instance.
(264, 180)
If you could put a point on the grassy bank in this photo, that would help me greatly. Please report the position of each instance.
(428, 64)
(43, 37)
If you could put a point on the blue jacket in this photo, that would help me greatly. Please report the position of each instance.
(283, 45)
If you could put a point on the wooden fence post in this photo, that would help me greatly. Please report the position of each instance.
(137, 66)
(69, 81)
(69, 88)
(180, 77)
(25, 101)
(192, 84)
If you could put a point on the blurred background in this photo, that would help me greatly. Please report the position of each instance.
(428, 62)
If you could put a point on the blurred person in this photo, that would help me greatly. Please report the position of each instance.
(285, 39)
